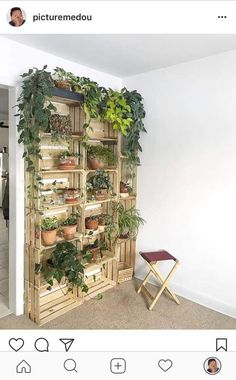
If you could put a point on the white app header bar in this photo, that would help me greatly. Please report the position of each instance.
(75, 17)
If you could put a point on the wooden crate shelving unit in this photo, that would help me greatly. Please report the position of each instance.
(42, 305)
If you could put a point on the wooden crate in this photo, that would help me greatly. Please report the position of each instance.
(42, 305)
(125, 272)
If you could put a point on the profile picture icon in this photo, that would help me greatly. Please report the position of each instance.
(212, 366)
(16, 17)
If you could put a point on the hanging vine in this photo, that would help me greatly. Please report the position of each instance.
(34, 112)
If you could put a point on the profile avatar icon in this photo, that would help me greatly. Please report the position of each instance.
(17, 17)
(212, 366)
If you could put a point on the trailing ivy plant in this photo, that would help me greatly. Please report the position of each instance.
(34, 113)
(66, 262)
(118, 111)
(132, 146)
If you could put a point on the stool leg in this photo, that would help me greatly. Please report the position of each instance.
(163, 287)
(162, 281)
(144, 281)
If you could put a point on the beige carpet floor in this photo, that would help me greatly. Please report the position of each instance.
(122, 308)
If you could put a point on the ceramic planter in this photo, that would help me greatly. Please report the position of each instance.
(100, 195)
(91, 224)
(124, 192)
(95, 163)
(67, 163)
(69, 231)
(71, 196)
(49, 237)
(64, 84)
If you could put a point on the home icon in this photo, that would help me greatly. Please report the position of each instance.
(23, 367)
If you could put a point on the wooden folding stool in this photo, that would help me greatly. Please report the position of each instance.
(152, 259)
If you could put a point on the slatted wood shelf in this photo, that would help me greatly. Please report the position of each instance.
(42, 305)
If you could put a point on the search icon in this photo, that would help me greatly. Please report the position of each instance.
(70, 365)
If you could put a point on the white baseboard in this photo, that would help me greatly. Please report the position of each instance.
(201, 299)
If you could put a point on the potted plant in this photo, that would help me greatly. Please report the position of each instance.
(125, 189)
(100, 185)
(69, 226)
(60, 127)
(132, 145)
(96, 249)
(117, 111)
(61, 79)
(110, 226)
(99, 156)
(49, 230)
(91, 223)
(71, 195)
(129, 221)
(66, 263)
(67, 160)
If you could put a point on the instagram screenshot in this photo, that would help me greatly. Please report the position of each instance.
(117, 189)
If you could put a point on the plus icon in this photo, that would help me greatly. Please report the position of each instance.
(118, 365)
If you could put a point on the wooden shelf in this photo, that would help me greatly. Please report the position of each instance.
(113, 199)
(42, 305)
(57, 171)
(113, 170)
(105, 139)
(78, 237)
(56, 207)
(67, 97)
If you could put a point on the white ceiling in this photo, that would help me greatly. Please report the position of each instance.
(125, 55)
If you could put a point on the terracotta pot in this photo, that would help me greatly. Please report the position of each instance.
(101, 221)
(91, 224)
(123, 188)
(49, 237)
(100, 195)
(68, 163)
(71, 195)
(125, 235)
(69, 232)
(95, 163)
(95, 253)
(63, 84)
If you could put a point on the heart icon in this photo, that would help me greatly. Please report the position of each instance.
(16, 344)
(165, 365)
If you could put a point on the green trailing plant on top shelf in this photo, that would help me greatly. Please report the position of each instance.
(132, 145)
(34, 112)
(68, 263)
(93, 95)
(117, 111)
(62, 78)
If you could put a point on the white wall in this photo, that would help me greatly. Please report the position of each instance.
(17, 59)
(187, 181)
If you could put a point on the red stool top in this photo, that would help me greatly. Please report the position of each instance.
(157, 256)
